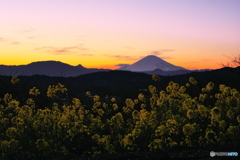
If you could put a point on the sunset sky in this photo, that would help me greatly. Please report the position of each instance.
(195, 34)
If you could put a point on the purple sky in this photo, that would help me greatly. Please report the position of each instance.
(104, 33)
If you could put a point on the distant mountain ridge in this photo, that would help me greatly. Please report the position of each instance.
(151, 63)
(168, 73)
(48, 68)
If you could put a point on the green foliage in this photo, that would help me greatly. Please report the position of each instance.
(150, 122)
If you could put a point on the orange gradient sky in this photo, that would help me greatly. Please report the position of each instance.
(195, 34)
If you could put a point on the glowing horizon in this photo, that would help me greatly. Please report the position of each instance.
(103, 34)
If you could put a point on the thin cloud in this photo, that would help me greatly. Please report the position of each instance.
(161, 51)
(62, 50)
(122, 65)
(15, 43)
(88, 55)
(9, 41)
(2, 39)
(135, 58)
(122, 57)
(156, 53)
(166, 57)
(45, 48)
(199, 61)
(32, 37)
(26, 31)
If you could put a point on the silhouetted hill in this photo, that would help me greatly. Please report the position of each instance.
(167, 73)
(48, 68)
(228, 76)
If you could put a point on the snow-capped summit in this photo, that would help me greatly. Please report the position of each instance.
(150, 63)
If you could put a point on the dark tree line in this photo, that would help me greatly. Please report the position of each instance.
(177, 115)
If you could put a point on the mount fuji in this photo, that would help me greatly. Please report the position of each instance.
(151, 63)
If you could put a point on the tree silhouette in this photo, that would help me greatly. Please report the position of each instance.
(234, 61)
